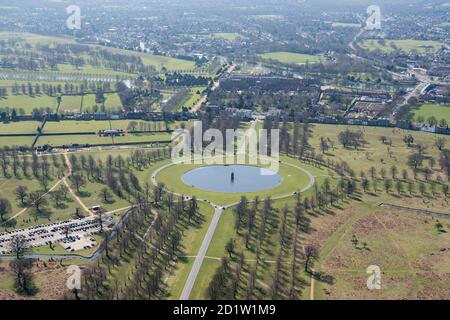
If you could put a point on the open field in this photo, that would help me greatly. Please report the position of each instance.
(70, 103)
(405, 45)
(375, 153)
(16, 141)
(158, 62)
(95, 126)
(411, 253)
(230, 36)
(19, 127)
(97, 140)
(345, 25)
(194, 97)
(290, 57)
(439, 111)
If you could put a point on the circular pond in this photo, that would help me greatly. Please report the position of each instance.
(232, 178)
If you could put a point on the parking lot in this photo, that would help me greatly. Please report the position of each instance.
(72, 235)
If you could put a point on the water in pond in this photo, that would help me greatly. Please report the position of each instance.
(233, 178)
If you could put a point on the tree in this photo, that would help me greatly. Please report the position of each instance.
(394, 172)
(57, 197)
(409, 140)
(311, 254)
(175, 241)
(324, 145)
(79, 181)
(24, 280)
(21, 193)
(193, 208)
(350, 138)
(5, 208)
(38, 200)
(432, 121)
(105, 195)
(388, 185)
(365, 184)
(440, 143)
(444, 162)
(415, 160)
(230, 247)
(18, 245)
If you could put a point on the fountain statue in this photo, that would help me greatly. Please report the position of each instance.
(232, 177)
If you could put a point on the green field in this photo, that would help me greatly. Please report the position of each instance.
(94, 125)
(68, 104)
(293, 180)
(345, 25)
(97, 140)
(291, 57)
(230, 36)
(148, 59)
(404, 45)
(195, 95)
(439, 111)
(19, 127)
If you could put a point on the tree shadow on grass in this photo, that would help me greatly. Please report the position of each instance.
(84, 194)
(43, 213)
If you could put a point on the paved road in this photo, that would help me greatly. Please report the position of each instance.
(201, 255)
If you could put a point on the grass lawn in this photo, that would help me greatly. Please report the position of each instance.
(16, 141)
(19, 127)
(440, 111)
(95, 139)
(405, 45)
(345, 25)
(207, 270)
(406, 247)
(156, 61)
(192, 240)
(374, 153)
(68, 104)
(194, 97)
(30, 217)
(230, 36)
(93, 125)
(293, 180)
(290, 57)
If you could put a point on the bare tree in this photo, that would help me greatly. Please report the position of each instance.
(21, 193)
(18, 245)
